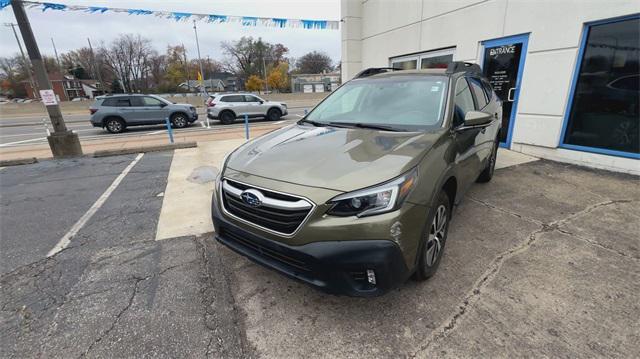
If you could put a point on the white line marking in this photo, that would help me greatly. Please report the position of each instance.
(155, 132)
(279, 122)
(23, 141)
(299, 115)
(66, 239)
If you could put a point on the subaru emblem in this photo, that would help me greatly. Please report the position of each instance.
(252, 197)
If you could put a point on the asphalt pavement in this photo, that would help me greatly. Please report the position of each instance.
(544, 261)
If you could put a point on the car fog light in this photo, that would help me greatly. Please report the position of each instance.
(371, 276)
(396, 231)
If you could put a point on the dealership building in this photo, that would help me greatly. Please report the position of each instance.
(567, 71)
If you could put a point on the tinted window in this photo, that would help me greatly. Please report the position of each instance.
(117, 102)
(436, 62)
(406, 65)
(463, 101)
(604, 112)
(232, 98)
(478, 92)
(249, 98)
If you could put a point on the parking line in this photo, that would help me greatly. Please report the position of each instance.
(66, 239)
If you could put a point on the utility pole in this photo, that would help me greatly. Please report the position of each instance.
(264, 70)
(204, 86)
(96, 67)
(25, 63)
(186, 67)
(63, 142)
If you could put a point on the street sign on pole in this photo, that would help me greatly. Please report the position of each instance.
(48, 97)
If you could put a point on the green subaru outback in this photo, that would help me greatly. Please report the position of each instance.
(357, 196)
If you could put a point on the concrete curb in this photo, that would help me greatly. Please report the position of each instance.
(19, 161)
(131, 150)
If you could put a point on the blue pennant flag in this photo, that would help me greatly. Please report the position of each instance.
(217, 18)
(279, 22)
(52, 6)
(4, 3)
(314, 24)
(139, 12)
(93, 9)
(178, 16)
(249, 21)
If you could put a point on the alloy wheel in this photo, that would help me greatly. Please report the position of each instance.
(436, 238)
(114, 126)
(179, 121)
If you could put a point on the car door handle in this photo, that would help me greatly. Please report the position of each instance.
(511, 94)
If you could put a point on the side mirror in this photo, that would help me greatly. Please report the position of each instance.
(261, 102)
(163, 105)
(476, 118)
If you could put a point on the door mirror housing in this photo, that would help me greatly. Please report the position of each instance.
(163, 105)
(476, 118)
(261, 102)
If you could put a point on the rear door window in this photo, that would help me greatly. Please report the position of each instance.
(232, 98)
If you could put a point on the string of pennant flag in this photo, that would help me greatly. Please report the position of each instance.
(185, 16)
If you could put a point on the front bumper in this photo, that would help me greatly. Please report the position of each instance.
(337, 267)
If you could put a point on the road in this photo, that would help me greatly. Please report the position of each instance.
(12, 135)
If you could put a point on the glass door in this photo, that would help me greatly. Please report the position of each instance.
(502, 64)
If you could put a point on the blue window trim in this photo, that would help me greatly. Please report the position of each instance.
(572, 90)
(524, 39)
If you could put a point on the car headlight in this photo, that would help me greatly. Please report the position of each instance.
(382, 198)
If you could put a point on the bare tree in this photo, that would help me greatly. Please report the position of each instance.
(129, 58)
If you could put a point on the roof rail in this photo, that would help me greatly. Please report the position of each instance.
(374, 71)
(459, 66)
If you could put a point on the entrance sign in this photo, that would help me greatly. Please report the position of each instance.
(48, 97)
(502, 65)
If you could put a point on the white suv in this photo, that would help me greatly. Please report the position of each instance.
(228, 107)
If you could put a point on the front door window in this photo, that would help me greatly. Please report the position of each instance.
(501, 66)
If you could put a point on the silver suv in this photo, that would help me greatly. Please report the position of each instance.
(116, 112)
(228, 107)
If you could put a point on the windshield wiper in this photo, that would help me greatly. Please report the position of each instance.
(315, 123)
(372, 126)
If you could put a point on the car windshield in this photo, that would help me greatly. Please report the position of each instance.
(401, 103)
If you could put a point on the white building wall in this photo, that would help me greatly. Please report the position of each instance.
(376, 30)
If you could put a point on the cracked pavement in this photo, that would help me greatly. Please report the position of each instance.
(542, 261)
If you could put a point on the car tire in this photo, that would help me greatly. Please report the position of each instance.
(274, 114)
(434, 238)
(179, 120)
(487, 174)
(114, 125)
(227, 117)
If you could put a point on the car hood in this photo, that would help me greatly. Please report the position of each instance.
(340, 159)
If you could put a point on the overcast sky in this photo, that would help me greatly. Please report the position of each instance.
(70, 29)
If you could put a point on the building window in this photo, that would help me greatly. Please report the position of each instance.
(603, 115)
(426, 60)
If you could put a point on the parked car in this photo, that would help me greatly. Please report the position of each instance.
(357, 196)
(116, 112)
(228, 107)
